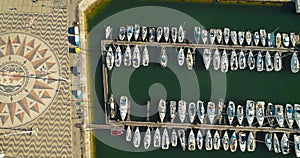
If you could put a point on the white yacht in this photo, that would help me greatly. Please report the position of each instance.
(224, 62)
(289, 115)
(276, 144)
(297, 114)
(277, 61)
(145, 59)
(110, 59)
(191, 141)
(174, 34)
(173, 110)
(181, 34)
(136, 57)
(180, 57)
(278, 40)
(108, 32)
(200, 111)
(242, 141)
(212, 35)
(127, 56)
(295, 63)
(259, 62)
(285, 147)
(268, 61)
(250, 111)
(129, 32)
(136, 138)
(144, 33)
(211, 111)
(219, 36)
(241, 36)
(286, 39)
(151, 36)
(297, 145)
(166, 33)
(231, 111)
(270, 113)
(268, 141)
(147, 139)
(182, 138)
(240, 114)
(233, 37)
(263, 36)
(206, 58)
(208, 141)
(123, 107)
(199, 140)
(251, 143)
(174, 138)
(233, 61)
(128, 134)
(293, 38)
(226, 35)
(122, 33)
(225, 141)
(157, 138)
(242, 60)
(248, 38)
(137, 30)
(233, 142)
(189, 59)
(260, 112)
(159, 34)
(279, 115)
(204, 35)
(216, 59)
(165, 141)
(256, 38)
(197, 34)
(181, 110)
(217, 141)
(162, 108)
(251, 60)
(163, 58)
(118, 57)
(192, 111)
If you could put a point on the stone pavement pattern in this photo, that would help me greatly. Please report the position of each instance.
(35, 45)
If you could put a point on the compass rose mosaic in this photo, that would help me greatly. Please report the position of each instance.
(29, 78)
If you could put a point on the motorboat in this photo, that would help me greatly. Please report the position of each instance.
(220, 110)
(118, 57)
(285, 147)
(279, 115)
(162, 108)
(226, 35)
(192, 111)
(173, 112)
(251, 60)
(137, 30)
(136, 57)
(242, 141)
(181, 34)
(263, 37)
(180, 57)
(108, 32)
(268, 61)
(208, 141)
(182, 138)
(212, 35)
(204, 35)
(127, 56)
(297, 114)
(242, 60)
(151, 36)
(250, 111)
(216, 60)
(122, 33)
(225, 141)
(123, 107)
(297, 145)
(241, 36)
(189, 59)
(224, 62)
(199, 140)
(219, 35)
(157, 138)
(197, 34)
(166, 33)
(259, 62)
(145, 59)
(174, 138)
(251, 143)
(181, 110)
(211, 111)
(256, 38)
(128, 134)
(233, 142)
(276, 144)
(240, 114)
(289, 115)
(268, 141)
(248, 38)
(159, 33)
(271, 39)
(129, 32)
(231, 111)
(277, 61)
(163, 58)
(200, 111)
(147, 138)
(191, 141)
(217, 141)
(136, 138)
(295, 63)
(206, 58)
(233, 61)
(110, 59)
(286, 39)
(278, 40)
(174, 34)
(165, 141)
(144, 33)
(293, 39)
(270, 113)
(260, 112)
(233, 37)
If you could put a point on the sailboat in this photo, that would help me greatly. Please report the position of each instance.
(216, 60)
(165, 141)
(206, 58)
(182, 138)
(156, 138)
(128, 134)
(197, 33)
(224, 62)
(181, 34)
(145, 57)
(137, 29)
(118, 57)
(242, 60)
(259, 62)
(241, 36)
(180, 57)
(204, 35)
(174, 34)
(147, 139)
(270, 113)
(192, 111)
(122, 33)
(268, 141)
(240, 114)
(289, 115)
(136, 57)
(242, 141)
(217, 141)
(279, 115)
(151, 36)
(191, 141)
(233, 61)
(285, 147)
(181, 110)
(159, 33)
(248, 38)
(123, 107)
(233, 142)
(129, 32)
(110, 59)
(163, 58)
(219, 36)
(251, 60)
(199, 140)
(225, 141)
(251, 143)
(162, 108)
(174, 138)
(295, 63)
(173, 110)
(268, 61)
(276, 144)
(189, 60)
(226, 35)
(250, 111)
(200, 111)
(211, 112)
(208, 141)
(260, 112)
(144, 33)
(136, 138)
(127, 56)
(277, 61)
(231, 111)
(166, 33)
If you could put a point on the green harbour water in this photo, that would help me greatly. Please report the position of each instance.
(276, 87)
